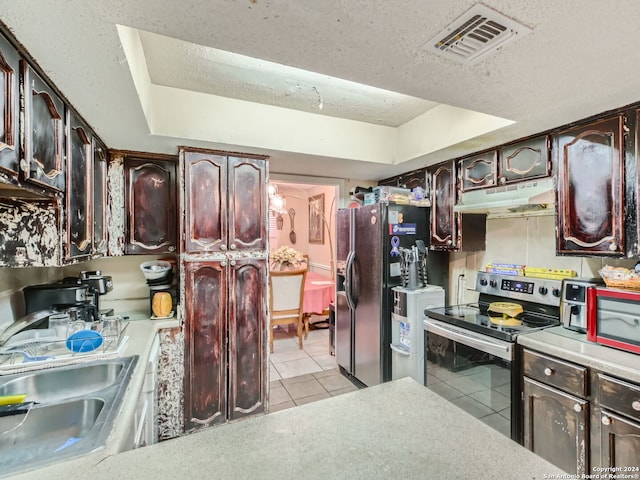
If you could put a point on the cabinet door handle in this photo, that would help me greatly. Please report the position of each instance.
(636, 405)
(577, 407)
(232, 246)
(223, 247)
(548, 371)
(606, 420)
(232, 263)
(171, 248)
(223, 263)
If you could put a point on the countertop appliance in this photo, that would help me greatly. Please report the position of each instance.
(48, 295)
(407, 338)
(613, 318)
(574, 302)
(470, 354)
(369, 239)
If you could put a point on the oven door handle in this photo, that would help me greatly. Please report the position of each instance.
(498, 348)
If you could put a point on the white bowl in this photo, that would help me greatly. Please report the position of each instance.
(155, 269)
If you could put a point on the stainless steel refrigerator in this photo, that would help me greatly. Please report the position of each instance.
(368, 266)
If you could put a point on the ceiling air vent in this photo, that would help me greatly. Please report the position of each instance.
(475, 34)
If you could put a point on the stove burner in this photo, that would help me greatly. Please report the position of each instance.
(474, 317)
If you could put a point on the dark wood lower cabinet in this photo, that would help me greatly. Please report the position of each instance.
(556, 426)
(247, 337)
(619, 442)
(225, 334)
(205, 344)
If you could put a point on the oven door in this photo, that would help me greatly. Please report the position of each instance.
(474, 372)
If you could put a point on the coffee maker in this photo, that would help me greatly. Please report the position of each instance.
(62, 297)
(99, 285)
(573, 303)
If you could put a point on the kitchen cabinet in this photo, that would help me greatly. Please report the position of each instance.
(525, 160)
(44, 129)
(618, 421)
(390, 182)
(224, 264)
(416, 178)
(591, 185)
(224, 202)
(443, 199)
(451, 231)
(478, 171)
(100, 203)
(79, 191)
(225, 338)
(150, 205)
(9, 110)
(556, 412)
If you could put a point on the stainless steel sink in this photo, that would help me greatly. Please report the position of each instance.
(47, 430)
(46, 386)
(73, 415)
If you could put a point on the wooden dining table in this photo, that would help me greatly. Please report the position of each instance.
(319, 292)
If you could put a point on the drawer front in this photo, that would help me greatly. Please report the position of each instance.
(622, 397)
(566, 376)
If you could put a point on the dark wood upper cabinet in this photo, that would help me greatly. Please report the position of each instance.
(390, 182)
(44, 114)
(100, 164)
(225, 202)
(150, 205)
(79, 194)
(591, 186)
(443, 199)
(479, 171)
(9, 108)
(417, 178)
(524, 160)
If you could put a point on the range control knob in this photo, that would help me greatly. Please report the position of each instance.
(493, 283)
(483, 282)
(555, 292)
(543, 290)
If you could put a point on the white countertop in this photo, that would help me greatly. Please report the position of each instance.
(141, 334)
(397, 430)
(574, 347)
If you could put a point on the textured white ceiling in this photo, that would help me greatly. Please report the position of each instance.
(580, 59)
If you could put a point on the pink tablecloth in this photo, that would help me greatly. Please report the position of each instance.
(318, 293)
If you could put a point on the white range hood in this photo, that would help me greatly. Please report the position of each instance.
(520, 197)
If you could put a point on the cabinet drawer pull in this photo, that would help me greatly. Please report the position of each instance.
(606, 420)
(577, 407)
(636, 405)
(548, 371)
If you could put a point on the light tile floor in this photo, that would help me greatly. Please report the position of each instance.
(303, 376)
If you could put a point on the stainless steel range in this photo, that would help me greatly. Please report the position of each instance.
(470, 350)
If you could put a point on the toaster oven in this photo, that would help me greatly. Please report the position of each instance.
(613, 318)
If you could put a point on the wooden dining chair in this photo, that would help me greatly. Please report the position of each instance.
(286, 293)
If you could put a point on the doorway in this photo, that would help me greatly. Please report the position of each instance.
(299, 376)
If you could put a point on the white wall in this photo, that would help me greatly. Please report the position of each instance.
(320, 255)
(528, 241)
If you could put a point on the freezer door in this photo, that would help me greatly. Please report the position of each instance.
(367, 290)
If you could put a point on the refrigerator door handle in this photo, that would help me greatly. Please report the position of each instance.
(349, 280)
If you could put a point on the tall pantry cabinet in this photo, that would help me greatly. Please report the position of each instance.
(224, 269)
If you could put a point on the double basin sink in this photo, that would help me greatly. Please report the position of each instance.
(72, 415)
